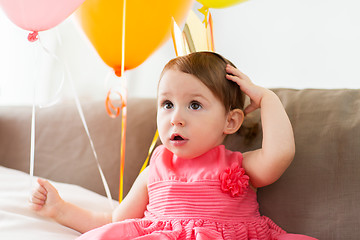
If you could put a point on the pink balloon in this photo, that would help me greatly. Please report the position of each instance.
(39, 15)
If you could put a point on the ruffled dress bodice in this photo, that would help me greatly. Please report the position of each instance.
(191, 188)
(189, 192)
(207, 197)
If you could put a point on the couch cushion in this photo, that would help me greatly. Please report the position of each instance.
(319, 193)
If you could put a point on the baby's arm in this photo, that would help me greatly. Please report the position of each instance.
(135, 202)
(266, 165)
(47, 202)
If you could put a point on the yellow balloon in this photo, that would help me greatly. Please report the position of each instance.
(147, 27)
(219, 3)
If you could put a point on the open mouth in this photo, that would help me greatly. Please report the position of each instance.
(177, 140)
(176, 137)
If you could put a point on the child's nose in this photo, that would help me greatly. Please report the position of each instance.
(177, 119)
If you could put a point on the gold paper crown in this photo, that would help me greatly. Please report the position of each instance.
(196, 35)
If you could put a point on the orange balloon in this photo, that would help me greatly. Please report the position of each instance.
(147, 27)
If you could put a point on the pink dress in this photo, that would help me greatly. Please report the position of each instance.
(203, 198)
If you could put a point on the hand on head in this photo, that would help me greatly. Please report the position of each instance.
(254, 92)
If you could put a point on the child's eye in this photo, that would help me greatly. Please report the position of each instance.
(195, 105)
(167, 104)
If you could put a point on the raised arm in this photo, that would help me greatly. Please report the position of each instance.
(267, 164)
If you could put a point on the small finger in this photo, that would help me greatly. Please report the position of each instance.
(36, 206)
(41, 182)
(235, 71)
(41, 190)
(36, 200)
(233, 78)
(39, 195)
(46, 185)
(243, 84)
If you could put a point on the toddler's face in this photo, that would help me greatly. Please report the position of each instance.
(190, 119)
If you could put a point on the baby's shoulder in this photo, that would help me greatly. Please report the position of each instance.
(160, 152)
(233, 157)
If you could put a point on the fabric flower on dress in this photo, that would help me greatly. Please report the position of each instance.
(234, 180)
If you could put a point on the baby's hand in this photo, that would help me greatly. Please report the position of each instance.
(254, 92)
(46, 200)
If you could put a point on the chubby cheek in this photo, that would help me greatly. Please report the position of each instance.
(162, 127)
(213, 129)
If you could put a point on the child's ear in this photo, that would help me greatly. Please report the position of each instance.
(234, 120)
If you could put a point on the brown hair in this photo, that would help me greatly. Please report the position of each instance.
(209, 68)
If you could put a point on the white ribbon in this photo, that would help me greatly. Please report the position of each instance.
(65, 73)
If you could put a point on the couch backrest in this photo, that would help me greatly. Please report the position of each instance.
(319, 194)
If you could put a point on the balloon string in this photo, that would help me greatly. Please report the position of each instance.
(123, 40)
(124, 110)
(122, 152)
(82, 117)
(32, 145)
(32, 141)
(57, 97)
(34, 37)
(110, 107)
(78, 105)
(210, 34)
(152, 146)
(33, 119)
(114, 112)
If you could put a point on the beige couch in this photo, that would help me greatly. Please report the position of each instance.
(318, 195)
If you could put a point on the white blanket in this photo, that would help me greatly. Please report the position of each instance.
(18, 221)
